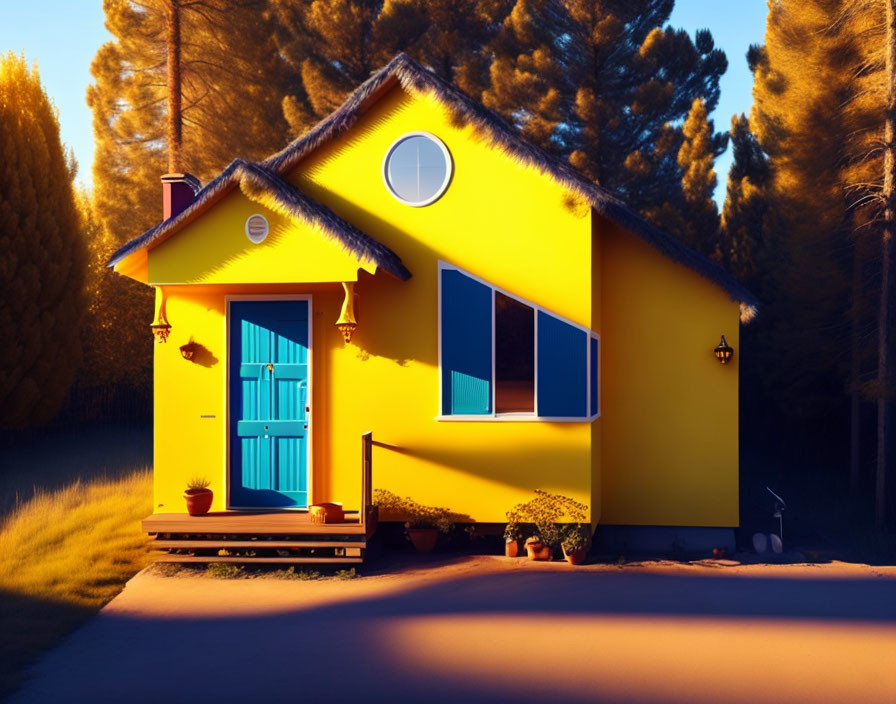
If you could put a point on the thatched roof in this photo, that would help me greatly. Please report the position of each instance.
(416, 79)
(404, 71)
(259, 183)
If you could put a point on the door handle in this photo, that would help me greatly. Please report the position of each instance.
(270, 368)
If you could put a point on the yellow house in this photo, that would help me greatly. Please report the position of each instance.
(411, 269)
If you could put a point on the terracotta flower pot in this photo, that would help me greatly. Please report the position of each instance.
(576, 557)
(537, 550)
(512, 548)
(199, 501)
(326, 513)
(424, 539)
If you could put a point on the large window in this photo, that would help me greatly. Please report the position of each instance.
(504, 358)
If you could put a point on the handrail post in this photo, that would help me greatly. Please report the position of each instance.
(366, 474)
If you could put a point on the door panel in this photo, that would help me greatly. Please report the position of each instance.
(268, 400)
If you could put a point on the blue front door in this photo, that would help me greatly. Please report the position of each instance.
(268, 404)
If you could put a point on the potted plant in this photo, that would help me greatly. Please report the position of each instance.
(513, 534)
(538, 549)
(422, 524)
(549, 516)
(198, 496)
(575, 544)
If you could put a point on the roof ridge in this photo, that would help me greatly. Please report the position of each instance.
(413, 76)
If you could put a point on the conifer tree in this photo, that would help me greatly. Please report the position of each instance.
(332, 46)
(42, 267)
(871, 176)
(232, 87)
(801, 84)
(698, 179)
(603, 84)
(746, 205)
(528, 79)
(694, 216)
(111, 331)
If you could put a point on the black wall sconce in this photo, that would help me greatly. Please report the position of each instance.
(723, 351)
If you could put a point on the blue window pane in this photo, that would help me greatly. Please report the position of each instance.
(417, 169)
(466, 345)
(593, 362)
(562, 366)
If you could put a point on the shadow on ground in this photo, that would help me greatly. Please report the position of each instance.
(520, 636)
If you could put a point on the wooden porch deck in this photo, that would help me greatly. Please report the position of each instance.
(250, 523)
(271, 536)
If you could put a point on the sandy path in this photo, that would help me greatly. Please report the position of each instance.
(491, 629)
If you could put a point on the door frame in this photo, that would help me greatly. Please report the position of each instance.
(263, 298)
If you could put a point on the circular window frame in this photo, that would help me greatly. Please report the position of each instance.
(267, 228)
(449, 170)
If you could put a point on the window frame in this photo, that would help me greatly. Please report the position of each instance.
(517, 417)
(449, 169)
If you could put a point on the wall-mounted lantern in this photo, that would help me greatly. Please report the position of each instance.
(723, 351)
(347, 323)
(160, 327)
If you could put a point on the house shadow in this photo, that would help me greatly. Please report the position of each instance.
(30, 625)
(468, 638)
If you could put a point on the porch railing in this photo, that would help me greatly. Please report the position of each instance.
(366, 476)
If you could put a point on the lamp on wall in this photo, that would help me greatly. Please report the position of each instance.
(723, 351)
(347, 323)
(160, 327)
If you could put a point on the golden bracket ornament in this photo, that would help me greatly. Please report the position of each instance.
(347, 323)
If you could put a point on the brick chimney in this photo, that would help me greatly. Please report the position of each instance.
(178, 191)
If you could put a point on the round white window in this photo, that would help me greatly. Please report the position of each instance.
(257, 228)
(417, 168)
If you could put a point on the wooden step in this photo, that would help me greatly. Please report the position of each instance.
(272, 560)
(259, 544)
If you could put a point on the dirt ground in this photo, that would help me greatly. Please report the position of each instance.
(491, 629)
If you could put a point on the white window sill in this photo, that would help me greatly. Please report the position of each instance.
(513, 418)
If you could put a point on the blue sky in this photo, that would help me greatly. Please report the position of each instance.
(62, 36)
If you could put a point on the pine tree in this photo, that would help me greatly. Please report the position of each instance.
(744, 218)
(110, 331)
(603, 85)
(232, 88)
(42, 267)
(801, 84)
(332, 46)
(528, 79)
(872, 177)
(694, 216)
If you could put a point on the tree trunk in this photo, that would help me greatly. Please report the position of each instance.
(175, 114)
(883, 345)
(855, 382)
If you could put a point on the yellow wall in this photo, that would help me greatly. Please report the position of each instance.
(215, 249)
(664, 451)
(670, 425)
(498, 220)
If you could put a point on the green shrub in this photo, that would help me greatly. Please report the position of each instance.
(224, 570)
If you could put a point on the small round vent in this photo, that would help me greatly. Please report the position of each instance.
(257, 228)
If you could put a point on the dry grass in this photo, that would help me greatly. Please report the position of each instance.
(65, 554)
